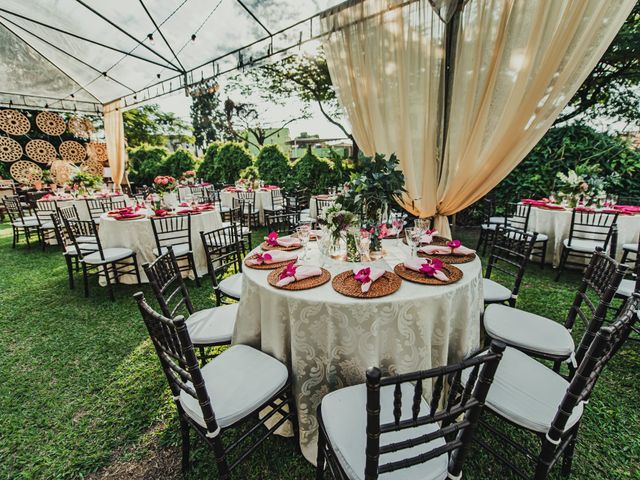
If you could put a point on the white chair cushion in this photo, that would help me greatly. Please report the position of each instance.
(110, 255)
(47, 225)
(528, 393)
(26, 222)
(345, 418)
(541, 237)
(632, 247)
(84, 247)
(585, 246)
(626, 288)
(489, 226)
(86, 239)
(238, 381)
(179, 249)
(304, 212)
(212, 325)
(232, 286)
(522, 329)
(497, 220)
(494, 292)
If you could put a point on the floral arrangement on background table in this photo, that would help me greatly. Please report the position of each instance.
(84, 182)
(583, 186)
(189, 177)
(164, 184)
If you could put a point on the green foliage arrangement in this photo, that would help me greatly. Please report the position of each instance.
(229, 161)
(315, 173)
(250, 173)
(145, 163)
(206, 170)
(86, 180)
(178, 162)
(273, 165)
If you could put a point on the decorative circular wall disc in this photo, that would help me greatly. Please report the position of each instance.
(25, 172)
(14, 122)
(81, 127)
(93, 167)
(10, 150)
(61, 171)
(50, 123)
(99, 151)
(41, 151)
(72, 151)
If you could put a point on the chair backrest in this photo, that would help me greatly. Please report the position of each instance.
(277, 200)
(62, 236)
(13, 207)
(247, 196)
(223, 247)
(70, 212)
(171, 230)
(167, 284)
(282, 223)
(601, 279)
(200, 194)
(178, 359)
(97, 206)
(607, 341)
(117, 202)
(297, 200)
(510, 253)
(321, 205)
(467, 401)
(83, 228)
(517, 216)
(486, 208)
(593, 226)
(45, 209)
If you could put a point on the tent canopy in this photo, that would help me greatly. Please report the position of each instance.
(81, 54)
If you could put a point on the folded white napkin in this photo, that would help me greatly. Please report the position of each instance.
(302, 272)
(289, 242)
(444, 250)
(374, 274)
(415, 263)
(273, 256)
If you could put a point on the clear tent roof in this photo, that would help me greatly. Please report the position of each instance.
(80, 54)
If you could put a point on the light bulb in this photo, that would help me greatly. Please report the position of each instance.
(151, 40)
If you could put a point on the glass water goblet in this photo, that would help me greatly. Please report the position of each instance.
(413, 236)
(364, 245)
(303, 232)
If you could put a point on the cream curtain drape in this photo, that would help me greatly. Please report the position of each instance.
(114, 133)
(515, 66)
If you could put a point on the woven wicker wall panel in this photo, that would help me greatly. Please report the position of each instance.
(81, 127)
(93, 167)
(25, 172)
(51, 123)
(61, 171)
(41, 151)
(14, 122)
(72, 151)
(98, 151)
(10, 150)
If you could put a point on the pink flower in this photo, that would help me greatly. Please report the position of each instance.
(430, 268)
(363, 275)
(272, 239)
(384, 231)
(453, 244)
(263, 258)
(289, 271)
(165, 181)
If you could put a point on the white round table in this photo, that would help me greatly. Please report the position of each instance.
(263, 200)
(328, 340)
(138, 236)
(557, 223)
(81, 204)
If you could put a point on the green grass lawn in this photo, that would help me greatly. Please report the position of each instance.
(82, 393)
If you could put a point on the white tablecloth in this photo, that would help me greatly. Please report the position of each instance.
(557, 223)
(138, 236)
(81, 205)
(329, 340)
(263, 201)
(313, 208)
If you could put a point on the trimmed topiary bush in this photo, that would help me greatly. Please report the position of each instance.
(315, 173)
(179, 162)
(206, 170)
(145, 162)
(229, 161)
(273, 165)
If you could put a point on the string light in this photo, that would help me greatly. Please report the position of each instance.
(150, 38)
(193, 38)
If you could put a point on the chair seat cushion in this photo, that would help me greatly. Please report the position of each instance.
(179, 249)
(527, 393)
(84, 247)
(521, 329)
(489, 226)
(238, 381)
(494, 292)
(541, 237)
(345, 419)
(497, 220)
(585, 246)
(86, 239)
(232, 286)
(631, 247)
(26, 222)
(304, 212)
(110, 255)
(212, 325)
(47, 225)
(626, 288)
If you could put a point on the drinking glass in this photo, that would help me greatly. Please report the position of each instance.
(364, 245)
(397, 222)
(413, 236)
(303, 232)
(422, 224)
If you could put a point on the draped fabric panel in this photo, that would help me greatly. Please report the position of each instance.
(515, 66)
(114, 133)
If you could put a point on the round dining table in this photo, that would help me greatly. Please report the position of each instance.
(328, 340)
(263, 199)
(81, 204)
(138, 236)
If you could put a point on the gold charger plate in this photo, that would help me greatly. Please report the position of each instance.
(266, 246)
(305, 284)
(346, 284)
(454, 274)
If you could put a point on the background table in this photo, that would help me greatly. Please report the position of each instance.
(313, 208)
(81, 204)
(557, 223)
(138, 236)
(328, 340)
(263, 200)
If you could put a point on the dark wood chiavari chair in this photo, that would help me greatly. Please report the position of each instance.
(223, 248)
(235, 217)
(588, 230)
(281, 223)
(423, 440)
(229, 391)
(210, 327)
(175, 231)
(517, 216)
(487, 227)
(321, 205)
(277, 203)
(21, 223)
(509, 256)
(240, 216)
(532, 397)
(45, 209)
(97, 206)
(247, 202)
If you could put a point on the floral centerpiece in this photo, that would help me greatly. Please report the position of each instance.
(250, 177)
(164, 184)
(338, 222)
(189, 176)
(584, 185)
(82, 182)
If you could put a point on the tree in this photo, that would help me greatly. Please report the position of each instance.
(207, 168)
(273, 165)
(179, 162)
(208, 119)
(315, 173)
(230, 159)
(145, 162)
(150, 125)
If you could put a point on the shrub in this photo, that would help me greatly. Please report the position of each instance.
(273, 165)
(145, 162)
(315, 173)
(230, 159)
(206, 170)
(179, 162)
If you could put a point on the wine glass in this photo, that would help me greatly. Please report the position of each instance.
(303, 232)
(397, 223)
(364, 245)
(413, 236)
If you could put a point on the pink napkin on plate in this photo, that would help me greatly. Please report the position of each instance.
(366, 276)
(431, 268)
(553, 206)
(274, 256)
(275, 241)
(427, 237)
(584, 209)
(454, 247)
(531, 201)
(124, 215)
(293, 273)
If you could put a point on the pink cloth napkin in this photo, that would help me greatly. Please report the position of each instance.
(553, 206)
(367, 276)
(296, 273)
(273, 240)
(273, 256)
(531, 201)
(445, 250)
(427, 237)
(584, 209)
(422, 265)
(124, 215)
